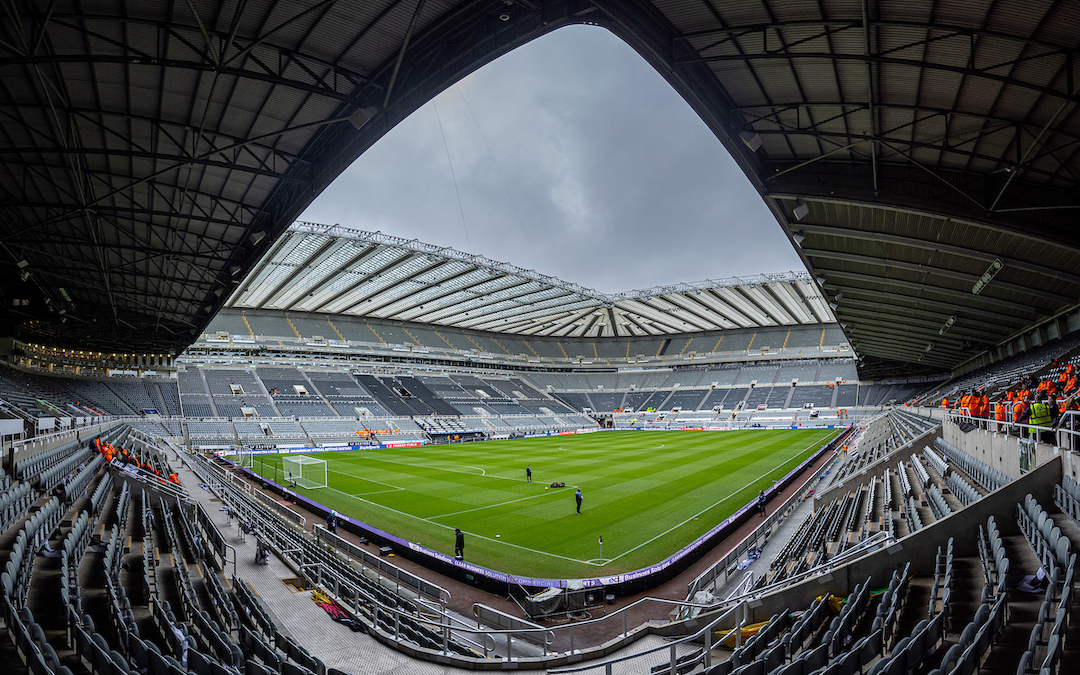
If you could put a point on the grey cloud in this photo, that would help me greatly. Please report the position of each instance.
(618, 183)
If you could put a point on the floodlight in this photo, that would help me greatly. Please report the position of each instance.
(23, 264)
(987, 276)
(801, 211)
(799, 239)
(948, 324)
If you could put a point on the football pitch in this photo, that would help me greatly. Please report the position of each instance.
(647, 494)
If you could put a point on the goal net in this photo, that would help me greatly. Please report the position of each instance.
(244, 459)
(306, 472)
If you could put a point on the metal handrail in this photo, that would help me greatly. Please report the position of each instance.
(739, 613)
(872, 543)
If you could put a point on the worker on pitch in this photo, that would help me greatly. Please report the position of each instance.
(528, 473)
(459, 544)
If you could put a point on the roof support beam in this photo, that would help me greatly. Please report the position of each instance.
(920, 268)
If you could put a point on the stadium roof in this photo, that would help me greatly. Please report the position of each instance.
(329, 269)
(152, 152)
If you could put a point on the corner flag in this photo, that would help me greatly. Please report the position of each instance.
(600, 541)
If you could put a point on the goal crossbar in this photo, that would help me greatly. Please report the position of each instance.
(303, 471)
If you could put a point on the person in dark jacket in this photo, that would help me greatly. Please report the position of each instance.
(528, 473)
(578, 497)
(459, 543)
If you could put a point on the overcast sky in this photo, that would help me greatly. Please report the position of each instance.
(572, 157)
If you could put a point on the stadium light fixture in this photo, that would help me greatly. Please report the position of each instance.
(751, 139)
(801, 211)
(833, 305)
(987, 276)
(948, 324)
(23, 264)
(799, 239)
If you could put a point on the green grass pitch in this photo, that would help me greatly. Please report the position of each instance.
(647, 494)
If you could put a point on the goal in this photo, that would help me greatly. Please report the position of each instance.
(306, 472)
(243, 459)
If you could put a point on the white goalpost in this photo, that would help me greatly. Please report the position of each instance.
(244, 459)
(303, 471)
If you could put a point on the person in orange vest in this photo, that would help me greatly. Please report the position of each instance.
(945, 403)
(1019, 408)
(984, 410)
(999, 415)
(174, 478)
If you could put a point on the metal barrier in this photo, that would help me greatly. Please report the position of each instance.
(1066, 432)
(868, 545)
(737, 615)
(383, 568)
(277, 506)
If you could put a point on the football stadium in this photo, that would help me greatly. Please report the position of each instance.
(236, 442)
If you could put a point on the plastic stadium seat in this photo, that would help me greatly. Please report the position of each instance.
(723, 668)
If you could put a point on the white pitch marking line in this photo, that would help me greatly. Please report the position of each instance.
(675, 527)
(489, 506)
(471, 534)
(370, 480)
(375, 492)
(439, 468)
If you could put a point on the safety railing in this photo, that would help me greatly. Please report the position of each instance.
(868, 545)
(697, 646)
(280, 509)
(1066, 432)
(383, 569)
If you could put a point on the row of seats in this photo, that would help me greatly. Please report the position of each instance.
(33, 465)
(1047, 637)
(14, 502)
(937, 502)
(989, 478)
(962, 489)
(62, 468)
(74, 486)
(1050, 547)
(892, 604)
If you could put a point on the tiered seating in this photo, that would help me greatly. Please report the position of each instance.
(990, 479)
(33, 465)
(397, 615)
(13, 503)
(57, 472)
